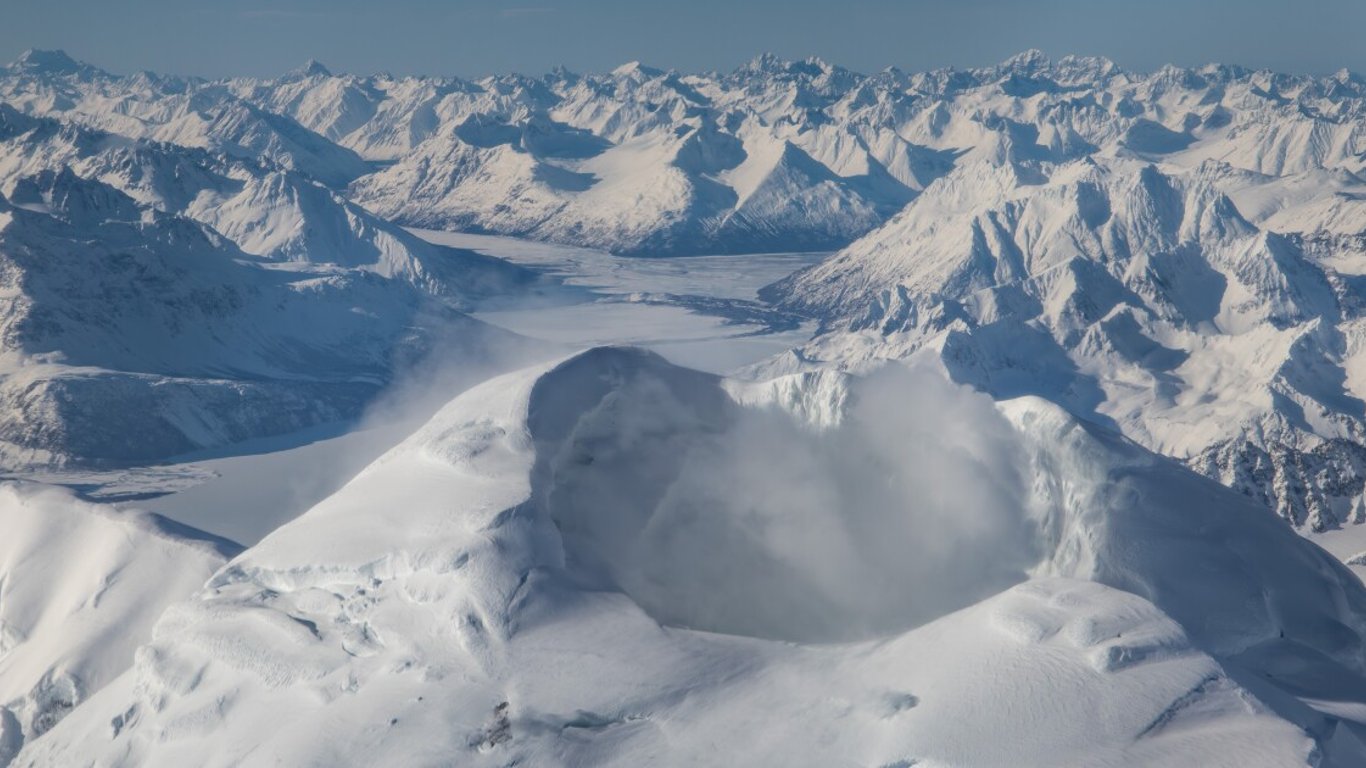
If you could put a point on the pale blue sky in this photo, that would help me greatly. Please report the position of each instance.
(473, 37)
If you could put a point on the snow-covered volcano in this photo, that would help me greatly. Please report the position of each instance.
(496, 590)
(974, 521)
(83, 584)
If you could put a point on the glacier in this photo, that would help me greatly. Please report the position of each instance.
(1002, 416)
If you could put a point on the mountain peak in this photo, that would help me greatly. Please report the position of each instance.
(1027, 61)
(636, 69)
(312, 68)
(819, 63)
(561, 72)
(772, 64)
(765, 62)
(37, 61)
(1083, 68)
(1346, 75)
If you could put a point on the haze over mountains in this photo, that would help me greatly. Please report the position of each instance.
(1131, 307)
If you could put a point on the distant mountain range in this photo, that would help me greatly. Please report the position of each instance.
(608, 559)
(1177, 253)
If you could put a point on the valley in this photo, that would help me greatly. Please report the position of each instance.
(1008, 415)
(594, 299)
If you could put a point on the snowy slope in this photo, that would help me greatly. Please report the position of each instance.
(130, 334)
(181, 111)
(1155, 278)
(80, 587)
(264, 209)
(634, 161)
(778, 155)
(523, 597)
(795, 154)
(684, 188)
(1176, 254)
(1135, 292)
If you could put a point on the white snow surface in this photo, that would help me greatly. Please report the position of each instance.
(786, 154)
(80, 587)
(1212, 319)
(478, 595)
(1123, 314)
(130, 334)
(266, 210)
(1134, 293)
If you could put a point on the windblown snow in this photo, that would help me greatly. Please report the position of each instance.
(534, 619)
(973, 417)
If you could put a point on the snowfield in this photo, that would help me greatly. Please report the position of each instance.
(131, 335)
(505, 619)
(1206, 221)
(1012, 416)
(83, 585)
(1134, 297)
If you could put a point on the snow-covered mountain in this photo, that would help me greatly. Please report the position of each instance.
(784, 154)
(132, 334)
(66, 632)
(266, 210)
(184, 111)
(1177, 255)
(636, 161)
(209, 294)
(776, 155)
(1135, 295)
(1088, 333)
(568, 531)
